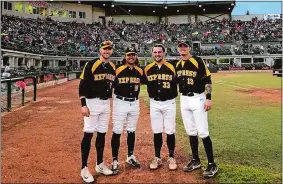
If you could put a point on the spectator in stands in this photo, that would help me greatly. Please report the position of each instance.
(7, 71)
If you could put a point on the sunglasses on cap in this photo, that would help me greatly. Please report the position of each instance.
(131, 54)
(107, 48)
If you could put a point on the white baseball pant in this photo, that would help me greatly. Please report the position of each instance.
(124, 111)
(99, 117)
(194, 115)
(163, 116)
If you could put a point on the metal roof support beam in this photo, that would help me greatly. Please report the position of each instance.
(210, 18)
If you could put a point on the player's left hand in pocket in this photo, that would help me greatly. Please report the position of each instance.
(207, 105)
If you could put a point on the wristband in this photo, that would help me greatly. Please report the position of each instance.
(208, 96)
(83, 102)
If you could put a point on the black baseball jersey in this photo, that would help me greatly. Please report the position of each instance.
(192, 75)
(97, 79)
(161, 81)
(127, 81)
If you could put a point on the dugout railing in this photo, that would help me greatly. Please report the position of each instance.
(16, 92)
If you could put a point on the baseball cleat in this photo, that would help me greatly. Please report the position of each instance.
(193, 165)
(133, 161)
(211, 170)
(102, 169)
(155, 163)
(172, 163)
(86, 176)
(115, 167)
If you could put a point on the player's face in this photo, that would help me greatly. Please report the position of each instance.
(131, 58)
(184, 49)
(106, 52)
(157, 54)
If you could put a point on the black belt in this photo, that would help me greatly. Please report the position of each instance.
(126, 99)
(189, 94)
(161, 99)
(99, 97)
(102, 98)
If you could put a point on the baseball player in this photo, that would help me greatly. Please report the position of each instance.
(194, 79)
(126, 107)
(162, 89)
(95, 91)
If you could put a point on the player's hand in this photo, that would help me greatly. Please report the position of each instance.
(85, 111)
(207, 105)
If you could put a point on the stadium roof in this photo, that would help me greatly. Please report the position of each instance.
(162, 9)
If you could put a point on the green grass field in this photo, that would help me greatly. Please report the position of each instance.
(245, 130)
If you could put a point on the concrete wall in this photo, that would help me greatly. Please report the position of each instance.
(247, 17)
(96, 12)
(178, 19)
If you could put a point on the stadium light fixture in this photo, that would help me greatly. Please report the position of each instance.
(200, 5)
(129, 10)
(232, 4)
(153, 11)
(178, 10)
(165, 7)
(103, 4)
(229, 8)
(204, 9)
(112, 5)
(51, 0)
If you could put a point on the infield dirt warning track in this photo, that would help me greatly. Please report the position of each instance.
(41, 144)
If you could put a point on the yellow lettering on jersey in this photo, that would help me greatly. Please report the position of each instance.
(98, 77)
(187, 72)
(194, 74)
(154, 77)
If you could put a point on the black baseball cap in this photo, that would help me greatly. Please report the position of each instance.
(185, 42)
(106, 44)
(130, 50)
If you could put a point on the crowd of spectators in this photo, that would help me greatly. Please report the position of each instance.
(50, 37)
(274, 49)
(140, 33)
(53, 37)
(227, 31)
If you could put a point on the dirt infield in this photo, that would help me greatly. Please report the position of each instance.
(41, 144)
(265, 94)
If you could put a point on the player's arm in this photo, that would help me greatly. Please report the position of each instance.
(143, 78)
(85, 77)
(205, 74)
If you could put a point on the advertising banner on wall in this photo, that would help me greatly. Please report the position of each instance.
(272, 16)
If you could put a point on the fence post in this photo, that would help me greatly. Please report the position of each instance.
(34, 88)
(23, 95)
(9, 95)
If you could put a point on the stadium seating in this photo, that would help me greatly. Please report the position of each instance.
(50, 37)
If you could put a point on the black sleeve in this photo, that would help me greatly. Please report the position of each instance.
(203, 71)
(143, 78)
(116, 81)
(85, 77)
